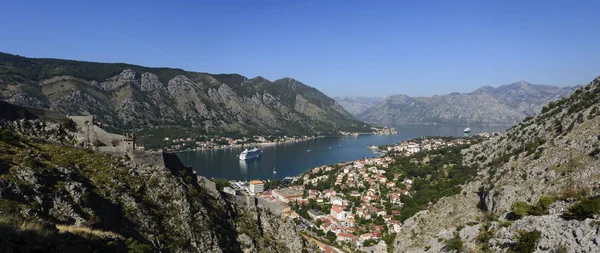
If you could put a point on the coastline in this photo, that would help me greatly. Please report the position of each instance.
(255, 144)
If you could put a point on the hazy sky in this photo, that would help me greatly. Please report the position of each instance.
(355, 48)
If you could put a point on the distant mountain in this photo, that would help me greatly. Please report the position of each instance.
(126, 97)
(357, 105)
(525, 97)
(504, 105)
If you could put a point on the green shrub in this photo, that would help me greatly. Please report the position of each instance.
(455, 244)
(527, 241)
(520, 208)
(137, 247)
(584, 209)
(8, 136)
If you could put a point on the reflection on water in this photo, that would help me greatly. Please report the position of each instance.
(243, 168)
(292, 159)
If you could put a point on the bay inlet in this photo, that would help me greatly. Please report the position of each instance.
(291, 159)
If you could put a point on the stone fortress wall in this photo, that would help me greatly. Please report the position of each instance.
(111, 143)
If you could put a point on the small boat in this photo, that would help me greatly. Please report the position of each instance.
(274, 172)
(467, 130)
(329, 147)
(308, 150)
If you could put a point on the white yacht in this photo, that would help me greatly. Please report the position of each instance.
(249, 154)
(467, 130)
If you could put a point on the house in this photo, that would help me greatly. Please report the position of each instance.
(338, 212)
(364, 237)
(256, 186)
(395, 199)
(315, 214)
(347, 168)
(344, 237)
(329, 193)
(337, 201)
(394, 225)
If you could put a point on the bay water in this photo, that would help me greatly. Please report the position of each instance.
(291, 159)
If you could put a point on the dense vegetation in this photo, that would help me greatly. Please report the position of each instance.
(436, 174)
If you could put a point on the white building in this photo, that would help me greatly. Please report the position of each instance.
(256, 186)
(338, 212)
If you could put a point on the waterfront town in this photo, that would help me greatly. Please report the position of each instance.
(209, 143)
(353, 205)
(212, 142)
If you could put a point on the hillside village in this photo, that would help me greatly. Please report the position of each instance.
(355, 205)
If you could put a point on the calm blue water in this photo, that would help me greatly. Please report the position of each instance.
(294, 158)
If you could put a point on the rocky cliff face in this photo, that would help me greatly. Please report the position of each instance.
(129, 97)
(60, 198)
(505, 105)
(357, 105)
(549, 163)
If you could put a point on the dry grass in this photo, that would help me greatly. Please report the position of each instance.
(575, 192)
(88, 232)
(19, 224)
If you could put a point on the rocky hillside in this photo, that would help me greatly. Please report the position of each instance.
(126, 97)
(505, 105)
(55, 197)
(357, 105)
(524, 97)
(536, 190)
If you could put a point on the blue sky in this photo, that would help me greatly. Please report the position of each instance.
(343, 48)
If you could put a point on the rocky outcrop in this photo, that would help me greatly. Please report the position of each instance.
(144, 199)
(505, 105)
(555, 155)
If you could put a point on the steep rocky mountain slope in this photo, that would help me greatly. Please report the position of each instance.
(505, 105)
(536, 189)
(357, 105)
(525, 97)
(127, 97)
(55, 197)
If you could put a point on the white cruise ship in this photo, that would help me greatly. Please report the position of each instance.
(249, 154)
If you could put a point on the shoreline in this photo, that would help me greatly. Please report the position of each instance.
(250, 145)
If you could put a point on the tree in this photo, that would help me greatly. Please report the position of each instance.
(368, 243)
(320, 232)
(318, 223)
(331, 236)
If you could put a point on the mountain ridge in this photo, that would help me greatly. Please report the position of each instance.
(502, 105)
(130, 97)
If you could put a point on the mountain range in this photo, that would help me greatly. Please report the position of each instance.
(503, 106)
(357, 105)
(127, 97)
